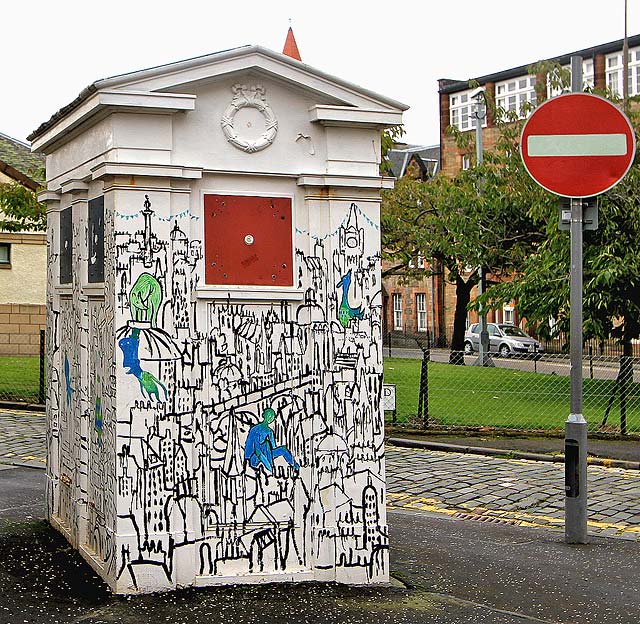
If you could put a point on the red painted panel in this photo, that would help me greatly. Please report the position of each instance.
(248, 240)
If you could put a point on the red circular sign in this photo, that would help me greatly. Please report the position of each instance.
(577, 145)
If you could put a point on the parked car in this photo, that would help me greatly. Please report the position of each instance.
(504, 339)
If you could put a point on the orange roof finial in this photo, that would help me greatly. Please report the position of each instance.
(291, 47)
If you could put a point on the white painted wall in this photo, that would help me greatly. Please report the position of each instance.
(158, 382)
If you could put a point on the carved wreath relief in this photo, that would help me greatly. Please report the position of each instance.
(249, 97)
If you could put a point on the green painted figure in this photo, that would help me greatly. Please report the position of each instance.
(145, 298)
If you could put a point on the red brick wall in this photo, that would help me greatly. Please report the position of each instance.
(20, 327)
(440, 297)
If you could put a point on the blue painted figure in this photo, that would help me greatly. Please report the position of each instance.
(131, 360)
(98, 422)
(261, 445)
(67, 378)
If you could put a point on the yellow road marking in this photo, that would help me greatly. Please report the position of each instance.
(405, 501)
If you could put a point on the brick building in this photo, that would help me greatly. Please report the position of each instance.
(602, 68)
(427, 306)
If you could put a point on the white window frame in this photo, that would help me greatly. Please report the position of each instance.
(587, 79)
(6, 262)
(398, 322)
(512, 94)
(614, 72)
(461, 111)
(509, 314)
(466, 162)
(418, 263)
(421, 312)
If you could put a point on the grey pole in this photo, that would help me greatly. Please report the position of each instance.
(576, 425)
(483, 351)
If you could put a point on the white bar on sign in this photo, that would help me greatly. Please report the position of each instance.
(577, 145)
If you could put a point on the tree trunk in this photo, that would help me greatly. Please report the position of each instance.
(463, 296)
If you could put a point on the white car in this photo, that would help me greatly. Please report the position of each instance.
(504, 339)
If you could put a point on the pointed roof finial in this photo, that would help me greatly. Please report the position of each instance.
(290, 46)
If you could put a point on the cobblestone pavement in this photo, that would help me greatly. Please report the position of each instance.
(528, 493)
(22, 438)
(473, 487)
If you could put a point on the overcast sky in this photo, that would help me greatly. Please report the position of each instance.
(52, 50)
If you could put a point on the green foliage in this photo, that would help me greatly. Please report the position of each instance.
(611, 266)
(388, 139)
(489, 216)
(20, 209)
(496, 216)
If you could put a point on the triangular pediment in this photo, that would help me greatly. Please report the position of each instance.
(170, 86)
(183, 75)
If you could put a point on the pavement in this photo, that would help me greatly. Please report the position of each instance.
(474, 539)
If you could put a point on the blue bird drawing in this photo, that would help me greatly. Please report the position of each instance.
(345, 312)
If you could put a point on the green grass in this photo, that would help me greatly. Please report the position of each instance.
(500, 397)
(19, 378)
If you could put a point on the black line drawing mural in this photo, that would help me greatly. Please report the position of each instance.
(252, 442)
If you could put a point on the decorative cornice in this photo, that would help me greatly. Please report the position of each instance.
(100, 104)
(144, 169)
(346, 181)
(48, 197)
(352, 116)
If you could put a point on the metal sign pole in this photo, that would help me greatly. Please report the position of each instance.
(484, 359)
(576, 425)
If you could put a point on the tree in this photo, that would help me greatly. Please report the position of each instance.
(20, 209)
(485, 216)
(611, 261)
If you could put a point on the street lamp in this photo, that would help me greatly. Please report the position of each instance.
(479, 113)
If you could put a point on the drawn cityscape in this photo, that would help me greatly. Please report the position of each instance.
(246, 437)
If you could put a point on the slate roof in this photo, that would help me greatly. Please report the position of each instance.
(425, 155)
(20, 163)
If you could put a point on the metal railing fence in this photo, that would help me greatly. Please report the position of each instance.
(22, 377)
(558, 344)
(522, 392)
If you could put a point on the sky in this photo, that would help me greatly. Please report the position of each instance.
(52, 50)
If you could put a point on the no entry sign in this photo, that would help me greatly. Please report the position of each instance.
(577, 145)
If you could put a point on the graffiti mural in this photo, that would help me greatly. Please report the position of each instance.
(248, 435)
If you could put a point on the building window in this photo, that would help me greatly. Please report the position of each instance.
(421, 308)
(418, 263)
(614, 71)
(466, 162)
(461, 111)
(397, 312)
(66, 245)
(587, 73)
(587, 79)
(95, 232)
(5, 254)
(512, 94)
(508, 315)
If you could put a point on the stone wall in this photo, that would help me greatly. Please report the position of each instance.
(20, 327)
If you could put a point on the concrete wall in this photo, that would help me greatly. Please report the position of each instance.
(24, 280)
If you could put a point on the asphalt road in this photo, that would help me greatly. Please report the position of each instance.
(447, 570)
